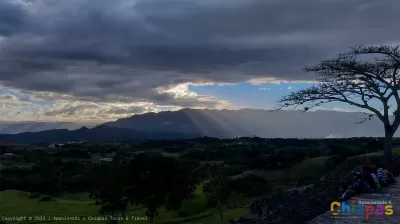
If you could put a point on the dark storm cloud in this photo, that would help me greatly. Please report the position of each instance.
(124, 50)
(12, 18)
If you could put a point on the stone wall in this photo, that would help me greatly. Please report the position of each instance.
(298, 207)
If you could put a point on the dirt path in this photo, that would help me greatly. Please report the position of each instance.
(391, 193)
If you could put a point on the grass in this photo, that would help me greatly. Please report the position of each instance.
(195, 205)
(313, 167)
(227, 215)
(396, 150)
(79, 196)
(15, 203)
(271, 175)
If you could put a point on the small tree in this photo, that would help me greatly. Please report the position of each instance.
(217, 186)
(356, 79)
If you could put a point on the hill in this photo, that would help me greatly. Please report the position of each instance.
(100, 133)
(36, 126)
(190, 123)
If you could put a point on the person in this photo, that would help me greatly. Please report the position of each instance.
(382, 176)
(390, 176)
(370, 177)
(360, 186)
(342, 189)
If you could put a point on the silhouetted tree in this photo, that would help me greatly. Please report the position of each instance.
(109, 188)
(160, 181)
(361, 77)
(3, 149)
(373, 145)
(251, 185)
(183, 184)
(218, 186)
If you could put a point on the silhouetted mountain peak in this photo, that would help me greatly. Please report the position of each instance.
(97, 134)
(83, 128)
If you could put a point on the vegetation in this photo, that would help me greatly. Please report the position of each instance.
(206, 180)
(353, 79)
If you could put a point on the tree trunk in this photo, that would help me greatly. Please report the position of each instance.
(113, 221)
(220, 210)
(151, 218)
(387, 147)
(387, 144)
(60, 181)
(123, 213)
(152, 214)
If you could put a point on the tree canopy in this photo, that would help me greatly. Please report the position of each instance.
(367, 77)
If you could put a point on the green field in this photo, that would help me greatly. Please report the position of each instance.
(18, 203)
(287, 178)
(396, 150)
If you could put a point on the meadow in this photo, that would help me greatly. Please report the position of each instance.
(20, 203)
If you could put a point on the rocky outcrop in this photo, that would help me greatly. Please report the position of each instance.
(298, 207)
(391, 194)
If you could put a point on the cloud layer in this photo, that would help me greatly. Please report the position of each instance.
(146, 52)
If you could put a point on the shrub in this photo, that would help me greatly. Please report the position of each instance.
(46, 198)
(174, 149)
(34, 195)
(190, 208)
(251, 185)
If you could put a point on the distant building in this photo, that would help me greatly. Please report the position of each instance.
(106, 159)
(8, 154)
(56, 145)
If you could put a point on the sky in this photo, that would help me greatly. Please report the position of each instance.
(100, 60)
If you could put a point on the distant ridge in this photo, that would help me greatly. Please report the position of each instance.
(97, 134)
(250, 122)
(191, 123)
(36, 126)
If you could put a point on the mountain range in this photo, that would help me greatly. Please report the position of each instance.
(36, 126)
(187, 123)
(262, 123)
(96, 134)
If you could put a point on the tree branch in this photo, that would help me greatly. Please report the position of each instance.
(348, 79)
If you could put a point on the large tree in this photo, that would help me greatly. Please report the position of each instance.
(109, 186)
(364, 77)
(159, 181)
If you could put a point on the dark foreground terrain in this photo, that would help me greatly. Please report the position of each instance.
(204, 180)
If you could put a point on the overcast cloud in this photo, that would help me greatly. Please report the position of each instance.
(125, 52)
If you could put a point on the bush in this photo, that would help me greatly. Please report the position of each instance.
(190, 208)
(34, 195)
(45, 198)
(174, 149)
(251, 185)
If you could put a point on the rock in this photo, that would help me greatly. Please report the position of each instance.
(296, 207)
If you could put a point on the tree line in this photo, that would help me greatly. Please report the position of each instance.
(154, 181)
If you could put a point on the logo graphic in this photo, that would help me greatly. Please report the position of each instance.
(362, 209)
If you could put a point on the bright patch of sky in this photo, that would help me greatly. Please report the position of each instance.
(265, 96)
